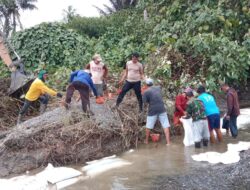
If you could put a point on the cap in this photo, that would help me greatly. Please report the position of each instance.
(188, 89)
(201, 89)
(97, 57)
(149, 81)
(190, 94)
(41, 73)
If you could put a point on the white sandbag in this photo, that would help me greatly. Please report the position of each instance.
(97, 167)
(188, 136)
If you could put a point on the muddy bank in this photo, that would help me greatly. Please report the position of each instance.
(65, 137)
(219, 177)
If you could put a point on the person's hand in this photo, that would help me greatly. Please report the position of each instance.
(120, 82)
(185, 113)
(59, 95)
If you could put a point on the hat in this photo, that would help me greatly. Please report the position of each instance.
(41, 73)
(190, 94)
(97, 57)
(188, 89)
(149, 81)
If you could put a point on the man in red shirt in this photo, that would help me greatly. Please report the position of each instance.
(180, 108)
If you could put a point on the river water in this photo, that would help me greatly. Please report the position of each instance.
(157, 159)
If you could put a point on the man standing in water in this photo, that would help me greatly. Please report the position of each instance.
(134, 74)
(156, 110)
(212, 112)
(233, 108)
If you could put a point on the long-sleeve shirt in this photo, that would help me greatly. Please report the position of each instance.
(196, 110)
(83, 77)
(180, 105)
(38, 88)
(233, 108)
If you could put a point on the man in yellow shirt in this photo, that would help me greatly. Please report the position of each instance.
(38, 90)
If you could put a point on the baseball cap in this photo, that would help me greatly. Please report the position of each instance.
(188, 89)
(149, 81)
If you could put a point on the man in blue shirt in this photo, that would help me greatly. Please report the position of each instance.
(80, 80)
(212, 112)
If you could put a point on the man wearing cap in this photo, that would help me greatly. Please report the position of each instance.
(156, 110)
(99, 72)
(195, 110)
(212, 112)
(133, 76)
(233, 109)
(180, 108)
(80, 80)
(38, 90)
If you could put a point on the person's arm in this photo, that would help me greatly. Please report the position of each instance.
(87, 66)
(105, 74)
(72, 75)
(142, 72)
(189, 111)
(47, 90)
(178, 105)
(145, 98)
(230, 102)
(124, 75)
(92, 86)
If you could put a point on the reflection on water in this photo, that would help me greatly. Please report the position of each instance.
(153, 160)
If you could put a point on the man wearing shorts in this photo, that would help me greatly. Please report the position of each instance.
(196, 110)
(212, 113)
(156, 110)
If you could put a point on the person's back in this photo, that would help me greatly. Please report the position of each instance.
(154, 98)
(233, 102)
(196, 110)
(82, 76)
(209, 104)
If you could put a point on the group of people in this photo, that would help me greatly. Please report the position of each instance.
(202, 109)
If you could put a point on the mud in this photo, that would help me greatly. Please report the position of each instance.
(219, 177)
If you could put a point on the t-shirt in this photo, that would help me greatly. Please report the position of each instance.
(196, 110)
(153, 97)
(134, 71)
(97, 72)
(209, 104)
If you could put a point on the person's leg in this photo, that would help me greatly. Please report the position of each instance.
(165, 125)
(233, 126)
(217, 127)
(23, 110)
(69, 94)
(137, 89)
(197, 133)
(99, 89)
(151, 120)
(84, 94)
(127, 86)
(210, 126)
(44, 99)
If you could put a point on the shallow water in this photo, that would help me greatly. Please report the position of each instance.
(157, 159)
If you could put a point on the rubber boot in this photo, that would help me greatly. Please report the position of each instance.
(219, 135)
(197, 144)
(19, 119)
(205, 142)
(42, 108)
(212, 138)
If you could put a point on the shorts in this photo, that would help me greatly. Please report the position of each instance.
(163, 118)
(200, 130)
(213, 121)
(99, 89)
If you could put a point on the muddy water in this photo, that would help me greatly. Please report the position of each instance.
(155, 159)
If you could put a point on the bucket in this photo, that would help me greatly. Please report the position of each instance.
(155, 137)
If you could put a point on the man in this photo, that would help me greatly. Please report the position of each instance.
(133, 75)
(233, 108)
(196, 110)
(99, 73)
(37, 90)
(156, 110)
(212, 112)
(180, 108)
(80, 80)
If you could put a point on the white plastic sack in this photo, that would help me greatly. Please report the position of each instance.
(188, 136)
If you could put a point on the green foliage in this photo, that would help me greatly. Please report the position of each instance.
(52, 44)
